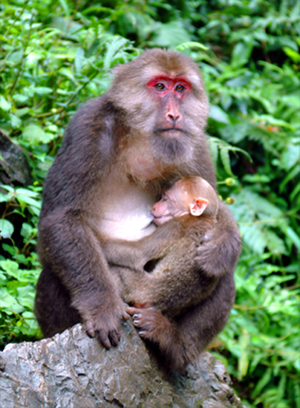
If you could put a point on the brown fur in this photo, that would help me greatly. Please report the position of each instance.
(112, 149)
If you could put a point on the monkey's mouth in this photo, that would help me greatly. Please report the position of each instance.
(162, 220)
(170, 131)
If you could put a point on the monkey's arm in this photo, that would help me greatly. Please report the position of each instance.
(68, 246)
(220, 252)
(135, 254)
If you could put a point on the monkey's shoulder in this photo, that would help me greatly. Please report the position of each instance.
(196, 227)
(94, 116)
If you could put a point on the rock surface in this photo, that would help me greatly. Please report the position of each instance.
(14, 167)
(71, 370)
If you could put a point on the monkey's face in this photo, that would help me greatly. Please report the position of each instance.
(165, 104)
(168, 94)
(175, 202)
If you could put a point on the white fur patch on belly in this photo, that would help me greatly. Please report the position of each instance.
(128, 215)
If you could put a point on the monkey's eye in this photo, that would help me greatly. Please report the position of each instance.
(164, 197)
(180, 88)
(160, 86)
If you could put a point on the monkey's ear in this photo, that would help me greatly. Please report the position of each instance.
(198, 206)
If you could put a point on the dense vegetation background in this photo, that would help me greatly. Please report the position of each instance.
(55, 54)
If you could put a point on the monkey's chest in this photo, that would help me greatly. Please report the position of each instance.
(127, 214)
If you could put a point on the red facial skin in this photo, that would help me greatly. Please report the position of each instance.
(169, 93)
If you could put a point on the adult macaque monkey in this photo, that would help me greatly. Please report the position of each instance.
(119, 151)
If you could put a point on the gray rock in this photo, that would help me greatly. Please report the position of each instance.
(14, 167)
(71, 370)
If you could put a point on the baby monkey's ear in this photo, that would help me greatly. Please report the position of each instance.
(198, 206)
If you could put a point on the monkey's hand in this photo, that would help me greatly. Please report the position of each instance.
(103, 322)
(157, 328)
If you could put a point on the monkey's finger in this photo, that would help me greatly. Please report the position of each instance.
(103, 338)
(125, 316)
(90, 328)
(138, 323)
(131, 310)
(114, 338)
(119, 335)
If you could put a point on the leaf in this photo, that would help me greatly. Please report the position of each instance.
(274, 243)
(65, 7)
(263, 382)
(15, 56)
(28, 200)
(15, 121)
(191, 44)
(116, 44)
(214, 151)
(217, 114)
(291, 155)
(91, 51)
(4, 105)
(30, 193)
(170, 34)
(242, 52)
(4, 198)
(293, 237)
(225, 159)
(26, 296)
(243, 362)
(35, 135)
(79, 59)
(240, 80)
(10, 267)
(68, 27)
(26, 230)
(295, 56)
(6, 228)
(41, 90)
(257, 219)
(8, 303)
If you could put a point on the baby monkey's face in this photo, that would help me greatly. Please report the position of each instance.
(175, 202)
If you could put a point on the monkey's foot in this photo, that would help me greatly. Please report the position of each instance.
(155, 327)
(152, 323)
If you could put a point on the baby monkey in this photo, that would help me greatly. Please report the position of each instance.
(173, 283)
(162, 287)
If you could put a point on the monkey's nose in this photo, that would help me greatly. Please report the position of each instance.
(173, 117)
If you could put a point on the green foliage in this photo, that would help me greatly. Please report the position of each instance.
(54, 55)
(17, 320)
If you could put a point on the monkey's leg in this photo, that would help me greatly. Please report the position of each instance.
(52, 304)
(202, 323)
(159, 330)
(180, 341)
